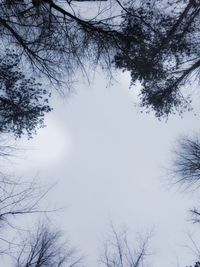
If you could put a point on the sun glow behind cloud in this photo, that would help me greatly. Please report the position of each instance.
(48, 148)
(51, 145)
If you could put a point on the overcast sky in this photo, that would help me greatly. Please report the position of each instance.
(108, 161)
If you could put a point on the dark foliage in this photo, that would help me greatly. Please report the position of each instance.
(166, 53)
(23, 102)
(197, 264)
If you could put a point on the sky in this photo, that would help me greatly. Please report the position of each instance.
(109, 162)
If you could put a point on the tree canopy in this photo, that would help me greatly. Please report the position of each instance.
(166, 54)
(156, 41)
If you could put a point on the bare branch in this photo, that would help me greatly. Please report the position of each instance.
(44, 248)
(119, 253)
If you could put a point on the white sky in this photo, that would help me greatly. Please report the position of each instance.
(108, 161)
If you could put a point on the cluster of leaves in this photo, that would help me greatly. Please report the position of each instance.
(165, 54)
(23, 102)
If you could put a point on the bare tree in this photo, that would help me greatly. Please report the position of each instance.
(185, 168)
(193, 247)
(53, 36)
(44, 248)
(118, 251)
(186, 161)
(18, 198)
